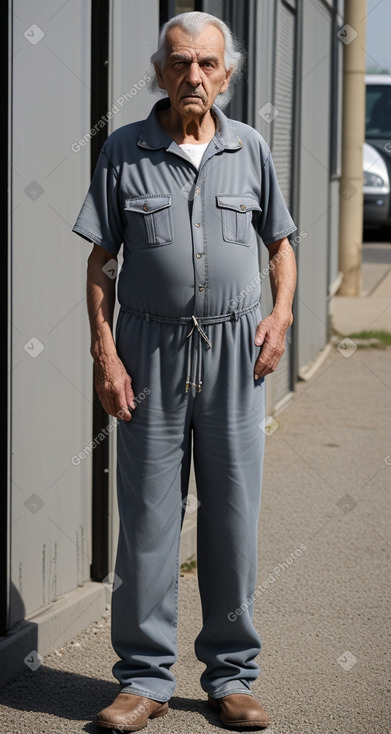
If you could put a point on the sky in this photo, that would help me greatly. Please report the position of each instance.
(378, 35)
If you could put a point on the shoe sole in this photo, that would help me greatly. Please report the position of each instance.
(132, 727)
(244, 724)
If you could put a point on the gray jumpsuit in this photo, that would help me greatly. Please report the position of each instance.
(189, 292)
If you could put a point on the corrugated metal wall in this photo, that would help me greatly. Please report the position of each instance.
(284, 97)
(272, 62)
(292, 71)
(336, 144)
(283, 101)
(314, 193)
(51, 390)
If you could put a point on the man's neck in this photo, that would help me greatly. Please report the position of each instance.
(187, 130)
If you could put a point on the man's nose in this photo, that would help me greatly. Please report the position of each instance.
(194, 75)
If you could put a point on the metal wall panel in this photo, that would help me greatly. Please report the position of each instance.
(215, 7)
(314, 181)
(272, 53)
(50, 370)
(134, 34)
(282, 150)
(336, 154)
(283, 98)
(261, 51)
(334, 237)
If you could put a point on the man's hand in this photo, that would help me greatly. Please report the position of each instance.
(114, 388)
(270, 336)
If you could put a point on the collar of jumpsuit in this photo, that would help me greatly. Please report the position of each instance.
(153, 136)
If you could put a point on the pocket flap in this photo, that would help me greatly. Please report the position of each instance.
(148, 204)
(237, 203)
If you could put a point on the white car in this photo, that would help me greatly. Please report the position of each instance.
(377, 151)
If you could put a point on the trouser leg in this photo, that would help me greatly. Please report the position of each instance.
(228, 453)
(153, 460)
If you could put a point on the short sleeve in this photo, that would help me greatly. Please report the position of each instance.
(100, 218)
(275, 221)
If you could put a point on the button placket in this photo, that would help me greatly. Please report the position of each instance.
(198, 252)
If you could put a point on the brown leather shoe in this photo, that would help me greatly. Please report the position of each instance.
(240, 711)
(129, 712)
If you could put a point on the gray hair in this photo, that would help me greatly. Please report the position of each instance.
(194, 23)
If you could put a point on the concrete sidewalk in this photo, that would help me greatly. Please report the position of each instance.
(372, 310)
(322, 606)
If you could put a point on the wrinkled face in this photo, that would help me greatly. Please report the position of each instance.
(193, 73)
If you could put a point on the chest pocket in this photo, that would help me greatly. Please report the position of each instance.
(150, 220)
(237, 217)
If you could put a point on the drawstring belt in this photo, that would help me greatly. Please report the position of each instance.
(197, 352)
(196, 336)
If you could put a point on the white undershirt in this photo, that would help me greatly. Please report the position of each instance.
(195, 151)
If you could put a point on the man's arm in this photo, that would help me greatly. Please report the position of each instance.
(271, 331)
(112, 382)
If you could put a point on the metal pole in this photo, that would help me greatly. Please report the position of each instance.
(353, 131)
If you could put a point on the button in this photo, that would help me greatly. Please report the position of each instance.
(201, 288)
(198, 255)
(145, 208)
(197, 224)
(198, 191)
(243, 206)
(240, 141)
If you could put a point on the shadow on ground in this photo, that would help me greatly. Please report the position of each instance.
(77, 697)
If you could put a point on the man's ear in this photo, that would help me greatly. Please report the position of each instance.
(226, 81)
(159, 77)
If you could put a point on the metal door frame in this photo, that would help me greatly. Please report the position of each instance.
(100, 458)
(5, 310)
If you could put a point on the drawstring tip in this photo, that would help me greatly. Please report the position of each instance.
(193, 384)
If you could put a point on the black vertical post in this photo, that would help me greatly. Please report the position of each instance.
(166, 10)
(237, 16)
(295, 189)
(4, 294)
(100, 456)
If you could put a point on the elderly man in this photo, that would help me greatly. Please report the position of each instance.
(185, 191)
